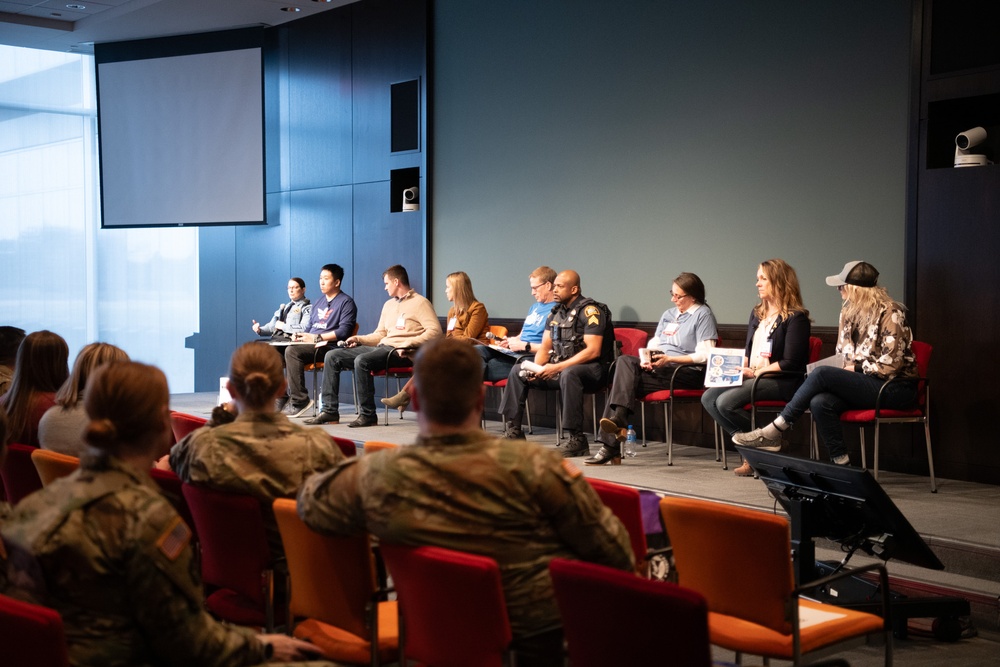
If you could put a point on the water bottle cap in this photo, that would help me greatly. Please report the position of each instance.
(630, 426)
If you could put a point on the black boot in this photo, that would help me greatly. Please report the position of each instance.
(608, 454)
(577, 445)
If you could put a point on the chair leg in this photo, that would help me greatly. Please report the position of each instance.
(669, 428)
(642, 412)
(864, 454)
(930, 454)
(875, 453)
(527, 415)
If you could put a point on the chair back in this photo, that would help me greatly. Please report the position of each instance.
(181, 424)
(18, 472)
(452, 605)
(631, 339)
(664, 620)
(371, 446)
(815, 349)
(922, 352)
(345, 445)
(53, 465)
(703, 534)
(625, 503)
(31, 635)
(498, 330)
(234, 549)
(171, 489)
(332, 578)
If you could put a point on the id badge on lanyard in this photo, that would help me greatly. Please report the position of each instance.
(401, 322)
(765, 350)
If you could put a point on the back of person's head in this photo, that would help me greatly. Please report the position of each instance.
(862, 304)
(128, 405)
(256, 373)
(10, 340)
(397, 272)
(543, 274)
(692, 286)
(89, 358)
(461, 288)
(41, 367)
(336, 270)
(448, 373)
(784, 286)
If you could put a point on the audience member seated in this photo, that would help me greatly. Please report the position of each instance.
(261, 453)
(684, 335)
(467, 320)
(496, 364)
(777, 341)
(10, 340)
(331, 319)
(40, 370)
(459, 488)
(873, 347)
(4, 505)
(110, 554)
(576, 352)
(407, 321)
(290, 317)
(61, 427)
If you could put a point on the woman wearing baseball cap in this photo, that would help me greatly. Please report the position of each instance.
(873, 346)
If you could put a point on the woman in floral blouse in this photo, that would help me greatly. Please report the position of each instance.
(873, 346)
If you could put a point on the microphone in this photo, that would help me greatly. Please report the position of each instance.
(341, 343)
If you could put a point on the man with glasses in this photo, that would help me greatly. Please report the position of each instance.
(496, 363)
(684, 335)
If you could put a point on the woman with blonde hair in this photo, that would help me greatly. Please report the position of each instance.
(61, 427)
(467, 319)
(777, 341)
(107, 551)
(41, 368)
(874, 347)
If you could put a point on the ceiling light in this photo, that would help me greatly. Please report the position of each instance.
(76, 6)
(290, 9)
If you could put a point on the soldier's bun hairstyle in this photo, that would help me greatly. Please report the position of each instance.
(256, 372)
(449, 376)
(128, 405)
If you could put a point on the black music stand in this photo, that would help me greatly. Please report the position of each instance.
(847, 505)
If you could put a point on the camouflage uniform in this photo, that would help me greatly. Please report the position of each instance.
(262, 455)
(111, 555)
(513, 501)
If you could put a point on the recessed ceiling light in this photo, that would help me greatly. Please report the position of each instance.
(290, 9)
(76, 6)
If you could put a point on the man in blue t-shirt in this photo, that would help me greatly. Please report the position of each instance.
(497, 364)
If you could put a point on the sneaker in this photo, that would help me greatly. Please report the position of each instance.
(577, 446)
(513, 431)
(280, 403)
(755, 439)
(299, 410)
(324, 418)
(842, 460)
(363, 420)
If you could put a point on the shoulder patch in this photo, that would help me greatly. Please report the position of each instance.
(593, 314)
(173, 540)
(571, 469)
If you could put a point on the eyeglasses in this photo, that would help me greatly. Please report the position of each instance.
(535, 287)
(678, 297)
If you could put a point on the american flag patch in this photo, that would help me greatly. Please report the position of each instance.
(174, 539)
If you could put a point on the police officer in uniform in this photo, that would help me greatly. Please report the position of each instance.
(575, 353)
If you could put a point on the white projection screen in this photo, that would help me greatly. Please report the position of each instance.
(182, 139)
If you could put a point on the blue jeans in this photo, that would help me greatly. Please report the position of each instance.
(726, 404)
(829, 391)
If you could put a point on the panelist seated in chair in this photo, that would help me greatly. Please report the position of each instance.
(496, 364)
(873, 347)
(408, 320)
(107, 551)
(260, 452)
(460, 488)
(684, 335)
(576, 352)
(290, 317)
(331, 318)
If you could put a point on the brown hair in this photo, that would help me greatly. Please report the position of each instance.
(397, 272)
(785, 285)
(41, 367)
(543, 273)
(448, 374)
(461, 286)
(128, 404)
(256, 373)
(89, 358)
(692, 286)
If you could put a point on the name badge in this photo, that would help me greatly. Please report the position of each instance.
(451, 323)
(765, 350)
(401, 322)
(671, 329)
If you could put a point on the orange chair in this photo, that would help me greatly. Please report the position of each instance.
(918, 414)
(758, 610)
(452, 607)
(235, 557)
(334, 597)
(666, 623)
(371, 446)
(182, 424)
(18, 473)
(53, 465)
(31, 635)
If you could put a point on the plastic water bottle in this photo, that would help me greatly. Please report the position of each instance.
(629, 442)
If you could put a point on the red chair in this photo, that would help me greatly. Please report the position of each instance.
(31, 635)
(235, 557)
(452, 607)
(172, 489)
(398, 372)
(624, 502)
(919, 414)
(18, 472)
(347, 446)
(182, 424)
(666, 623)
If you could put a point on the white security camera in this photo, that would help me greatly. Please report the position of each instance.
(966, 140)
(411, 199)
